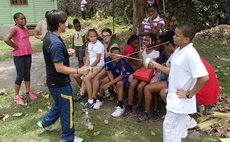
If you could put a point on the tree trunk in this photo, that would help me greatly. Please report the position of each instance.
(138, 13)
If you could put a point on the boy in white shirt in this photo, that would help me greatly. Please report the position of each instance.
(186, 77)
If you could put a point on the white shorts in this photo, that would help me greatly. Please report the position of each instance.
(174, 127)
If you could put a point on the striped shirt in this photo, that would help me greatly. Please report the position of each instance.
(83, 5)
(147, 27)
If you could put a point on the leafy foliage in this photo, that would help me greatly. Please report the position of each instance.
(203, 13)
(210, 12)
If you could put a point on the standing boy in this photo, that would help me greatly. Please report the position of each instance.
(58, 81)
(78, 42)
(186, 77)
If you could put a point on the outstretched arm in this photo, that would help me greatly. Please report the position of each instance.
(160, 67)
(61, 68)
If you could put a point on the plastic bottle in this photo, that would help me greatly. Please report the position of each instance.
(86, 119)
(107, 94)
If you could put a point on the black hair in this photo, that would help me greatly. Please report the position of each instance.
(107, 30)
(132, 38)
(46, 14)
(55, 17)
(91, 30)
(115, 48)
(152, 5)
(16, 15)
(169, 37)
(188, 30)
(75, 21)
(161, 39)
(152, 36)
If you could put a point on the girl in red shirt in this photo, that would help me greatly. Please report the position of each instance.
(129, 48)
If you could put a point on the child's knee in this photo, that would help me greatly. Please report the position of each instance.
(18, 81)
(140, 87)
(132, 85)
(85, 79)
(163, 93)
(120, 84)
(88, 77)
(146, 89)
(97, 77)
(103, 83)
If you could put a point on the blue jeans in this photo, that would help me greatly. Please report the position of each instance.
(63, 108)
(23, 66)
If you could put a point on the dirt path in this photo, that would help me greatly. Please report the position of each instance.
(38, 75)
(8, 73)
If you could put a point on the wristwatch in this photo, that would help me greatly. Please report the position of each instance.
(188, 95)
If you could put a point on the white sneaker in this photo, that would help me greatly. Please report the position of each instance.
(78, 139)
(98, 104)
(107, 94)
(48, 128)
(191, 122)
(201, 109)
(118, 112)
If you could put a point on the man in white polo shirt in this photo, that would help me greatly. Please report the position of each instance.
(186, 77)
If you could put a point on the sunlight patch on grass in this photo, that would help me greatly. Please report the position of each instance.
(3, 45)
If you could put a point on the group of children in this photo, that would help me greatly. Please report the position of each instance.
(113, 68)
(175, 71)
(179, 74)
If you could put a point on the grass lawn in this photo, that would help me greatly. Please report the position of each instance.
(23, 128)
(210, 51)
(5, 50)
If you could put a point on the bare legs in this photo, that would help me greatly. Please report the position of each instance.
(87, 81)
(132, 86)
(140, 92)
(27, 86)
(152, 88)
(96, 81)
(17, 88)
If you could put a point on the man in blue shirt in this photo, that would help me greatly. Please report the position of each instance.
(56, 57)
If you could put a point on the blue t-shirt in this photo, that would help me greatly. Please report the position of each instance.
(122, 68)
(54, 51)
(109, 64)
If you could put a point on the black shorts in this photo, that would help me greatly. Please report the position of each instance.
(79, 52)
